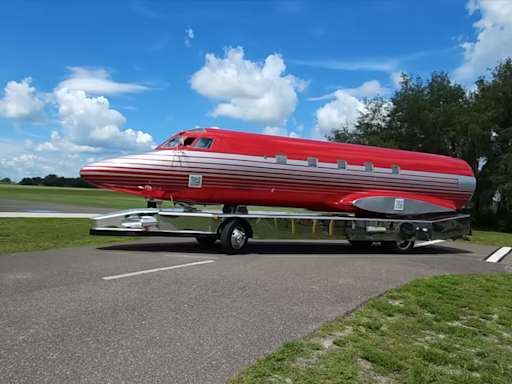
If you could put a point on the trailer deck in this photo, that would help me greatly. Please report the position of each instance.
(233, 227)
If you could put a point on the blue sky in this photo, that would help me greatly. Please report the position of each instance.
(78, 74)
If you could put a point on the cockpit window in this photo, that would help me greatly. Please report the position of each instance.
(180, 140)
(174, 142)
(203, 143)
(188, 141)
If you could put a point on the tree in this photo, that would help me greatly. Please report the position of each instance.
(442, 117)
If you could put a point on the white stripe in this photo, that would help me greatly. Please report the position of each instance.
(498, 255)
(157, 270)
(425, 243)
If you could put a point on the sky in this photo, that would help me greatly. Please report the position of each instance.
(85, 80)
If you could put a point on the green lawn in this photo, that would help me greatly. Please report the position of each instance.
(445, 329)
(28, 234)
(88, 197)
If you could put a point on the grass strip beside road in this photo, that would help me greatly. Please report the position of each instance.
(29, 235)
(444, 329)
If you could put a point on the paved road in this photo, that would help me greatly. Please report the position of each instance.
(36, 206)
(62, 322)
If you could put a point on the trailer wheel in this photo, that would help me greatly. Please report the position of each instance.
(399, 246)
(207, 239)
(361, 243)
(234, 236)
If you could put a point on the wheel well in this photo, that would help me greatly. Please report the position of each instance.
(246, 224)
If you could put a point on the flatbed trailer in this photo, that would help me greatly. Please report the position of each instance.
(233, 226)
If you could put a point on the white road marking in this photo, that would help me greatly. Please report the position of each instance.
(178, 255)
(157, 270)
(498, 255)
(49, 215)
(425, 243)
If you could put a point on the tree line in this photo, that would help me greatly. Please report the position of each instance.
(438, 115)
(52, 180)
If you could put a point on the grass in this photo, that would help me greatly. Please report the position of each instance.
(444, 329)
(87, 197)
(28, 235)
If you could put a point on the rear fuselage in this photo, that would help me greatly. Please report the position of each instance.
(226, 167)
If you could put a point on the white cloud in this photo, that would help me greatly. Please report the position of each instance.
(90, 124)
(368, 89)
(21, 103)
(345, 108)
(396, 78)
(190, 36)
(255, 92)
(335, 113)
(96, 81)
(494, 40)
(31, 165)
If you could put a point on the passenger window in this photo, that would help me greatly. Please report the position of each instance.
(368, 167)
(342, 164)
(395, 169)
(311, 161)
(280, 159)
(203, 143)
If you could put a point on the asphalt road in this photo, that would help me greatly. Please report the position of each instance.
(36, 206)
(61, 321)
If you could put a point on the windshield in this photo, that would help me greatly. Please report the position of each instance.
(174, 142)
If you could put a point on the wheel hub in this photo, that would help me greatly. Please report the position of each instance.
(237, 238)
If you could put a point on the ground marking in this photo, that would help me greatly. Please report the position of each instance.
(427, 243)
(157, 270)
(498, 255)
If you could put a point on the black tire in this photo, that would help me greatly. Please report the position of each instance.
(399, 247)
(234, 236)
(361, 243)
(207, 239)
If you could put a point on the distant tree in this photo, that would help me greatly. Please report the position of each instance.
(6, 180)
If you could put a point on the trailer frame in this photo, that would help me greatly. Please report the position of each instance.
(235, 225)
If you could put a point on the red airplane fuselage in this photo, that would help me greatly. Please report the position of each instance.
(233, 168)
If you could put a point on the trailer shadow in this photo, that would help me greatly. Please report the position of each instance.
(277, 247)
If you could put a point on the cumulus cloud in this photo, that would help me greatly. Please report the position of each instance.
(97, 81)
(345, 108)
(494, 39)
(87, 125)
(255, 92)
(20, 102)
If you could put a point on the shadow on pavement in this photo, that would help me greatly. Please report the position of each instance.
(272, 248)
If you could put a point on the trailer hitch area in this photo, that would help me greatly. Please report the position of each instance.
(139, 222)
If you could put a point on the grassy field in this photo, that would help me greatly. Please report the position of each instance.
(28, 235)
(87, 197)
(445, 329)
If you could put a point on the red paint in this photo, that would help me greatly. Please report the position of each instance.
(323, 192)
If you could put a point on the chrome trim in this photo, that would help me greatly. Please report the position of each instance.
(279, 225)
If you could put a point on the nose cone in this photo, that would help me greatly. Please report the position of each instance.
(127, 174)
(93, 173)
